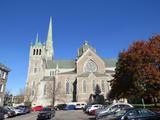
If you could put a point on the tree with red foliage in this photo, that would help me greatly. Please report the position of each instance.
(138, 71)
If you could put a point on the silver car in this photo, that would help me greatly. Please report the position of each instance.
(111, 109)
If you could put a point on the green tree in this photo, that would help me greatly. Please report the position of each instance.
(138, 71)
(97, 90)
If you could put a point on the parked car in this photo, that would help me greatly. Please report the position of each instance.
(100, 113)
(17, 111)
(86, 106)
(7, 112)
(79, 106)
(133, 114)
(23, 109)
(37, 108)
(1, 114)
(91, 110)
(70, 107)
(46, 113)
(20, 111)
(60, 106)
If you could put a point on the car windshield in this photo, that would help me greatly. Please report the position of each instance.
(121, 112)
(46, 109)
(108, 107)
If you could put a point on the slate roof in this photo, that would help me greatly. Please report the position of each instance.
(68, 64)
(61, 64)
(97, 74)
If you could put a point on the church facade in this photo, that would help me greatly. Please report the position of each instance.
(64, 81)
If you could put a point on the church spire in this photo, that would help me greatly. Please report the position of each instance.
(37, 39)
(49, 41)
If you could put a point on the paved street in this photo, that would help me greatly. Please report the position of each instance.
(60, 115)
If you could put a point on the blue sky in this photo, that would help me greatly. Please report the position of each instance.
(109, 25)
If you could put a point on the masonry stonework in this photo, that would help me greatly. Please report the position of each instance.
(62, 81)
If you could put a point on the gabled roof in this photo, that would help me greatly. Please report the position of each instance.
(69, 64)
(66, 64)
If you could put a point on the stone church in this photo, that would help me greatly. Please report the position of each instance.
(64, 81)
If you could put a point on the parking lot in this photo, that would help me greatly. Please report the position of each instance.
(60, 115)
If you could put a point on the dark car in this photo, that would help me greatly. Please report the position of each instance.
(60, 106)
(6, 112)
(1, 114)
(46, 113)
(133, 114)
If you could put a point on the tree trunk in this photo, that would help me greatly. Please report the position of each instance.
(155, 101)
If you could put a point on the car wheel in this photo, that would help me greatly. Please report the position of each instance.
(50, 116)
(5, 116)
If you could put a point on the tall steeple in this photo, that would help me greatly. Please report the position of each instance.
(37, 39)
(49, 42)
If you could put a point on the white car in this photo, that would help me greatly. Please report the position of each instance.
(80, 106)
(93, 107)
(111, 108)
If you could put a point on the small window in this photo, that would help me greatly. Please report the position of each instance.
(51, 73)
(34, 51)
(35, 70)
(33, 85)
(67, 88)
(45, 90)
(32, 92)
(94, 85)
(84, 86)
(39, 51)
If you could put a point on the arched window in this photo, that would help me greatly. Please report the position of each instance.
(33, 86)
(45, 90)
(107, 86)
(102, 85)
(94, 85)
(67, 88)
(84, 86)
(34, 52)
(39, 51)
(35, 70)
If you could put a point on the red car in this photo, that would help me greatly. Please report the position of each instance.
(93, 112)
(37, 108)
